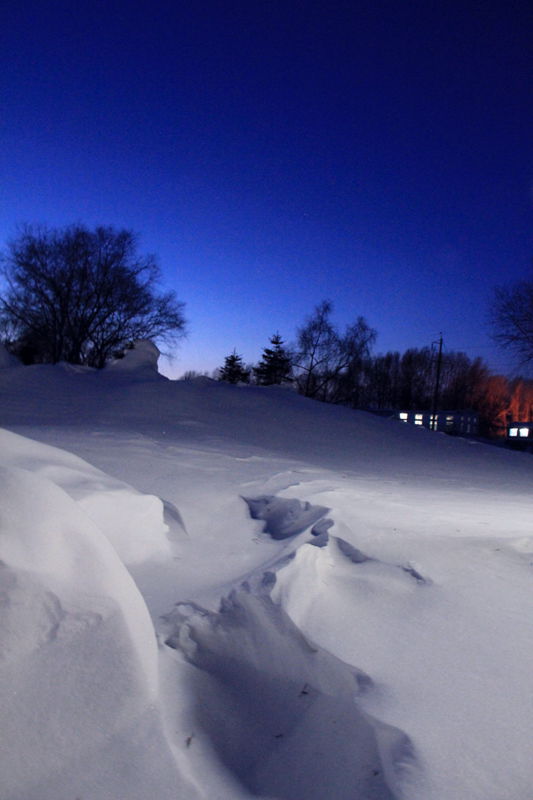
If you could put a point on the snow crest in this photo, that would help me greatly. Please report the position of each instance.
(281, 713)
(133, 522)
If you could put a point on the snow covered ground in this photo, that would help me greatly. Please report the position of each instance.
(228, 593)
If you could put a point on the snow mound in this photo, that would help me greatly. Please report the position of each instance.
(141, 360)
(282, 714)
(409, 629)
(133, 522)
(78, 665)
(7, 359)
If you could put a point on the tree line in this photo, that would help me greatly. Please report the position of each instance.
(83, 296)
(339, 367)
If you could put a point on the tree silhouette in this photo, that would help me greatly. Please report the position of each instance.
(275, 365)
(512, 319)
(330, 364)
(234, 370)
(81, 295)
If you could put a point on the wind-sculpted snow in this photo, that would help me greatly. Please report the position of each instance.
(408, 630)
(401, 554)
(78, 658)
(282, 714)
(133, 522)
(282, 517)
(139, 363)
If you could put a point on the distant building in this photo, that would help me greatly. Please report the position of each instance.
(520, 435)
(461, 423)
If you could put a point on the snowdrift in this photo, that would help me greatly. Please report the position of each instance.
(78, 666)
(233, 592)
(132, 522)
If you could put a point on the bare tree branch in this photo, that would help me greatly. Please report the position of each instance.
(80, 295)
(511, 316)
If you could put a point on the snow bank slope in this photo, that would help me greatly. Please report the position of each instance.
(420, 576)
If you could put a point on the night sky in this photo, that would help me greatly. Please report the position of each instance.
(274, 154)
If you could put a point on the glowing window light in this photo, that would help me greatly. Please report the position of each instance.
(513, 431)
(404, 416)
(524, 431)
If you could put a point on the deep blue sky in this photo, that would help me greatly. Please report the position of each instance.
(273, 154)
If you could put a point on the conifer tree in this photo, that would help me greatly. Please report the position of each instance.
(275, 365)
(234, 370)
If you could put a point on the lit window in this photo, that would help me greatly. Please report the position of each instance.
(524, 431)
(404, 415)
(419, 419)
(513, 431)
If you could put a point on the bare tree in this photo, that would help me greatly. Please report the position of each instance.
(329, 363)
(462, 380)
(512, 319)
(416, 378)
(81, 295)
(317, 342)
(349, 376)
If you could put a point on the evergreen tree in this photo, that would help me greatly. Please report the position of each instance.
(234, 370)
(275, 365)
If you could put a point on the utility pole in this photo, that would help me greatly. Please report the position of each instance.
(437, 382)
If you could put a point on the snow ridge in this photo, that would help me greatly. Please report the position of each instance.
(282, 713)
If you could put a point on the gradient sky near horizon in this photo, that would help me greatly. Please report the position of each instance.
(274, 154)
